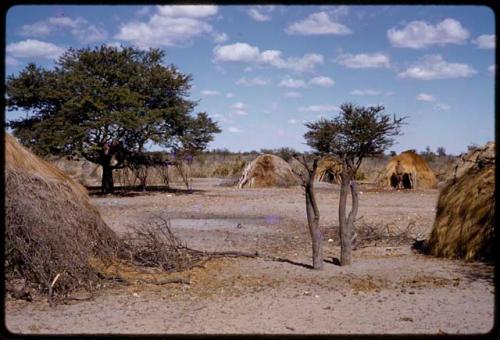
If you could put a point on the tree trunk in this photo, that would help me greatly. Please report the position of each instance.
(344, 231)
(313, 223)
(107, 186)
(354, 209)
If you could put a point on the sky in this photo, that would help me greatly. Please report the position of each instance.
(261, 72)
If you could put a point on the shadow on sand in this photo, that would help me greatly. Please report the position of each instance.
(132, 191)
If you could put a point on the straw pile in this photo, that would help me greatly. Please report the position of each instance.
(465, 217)
(51, 227)
(267, 171)
(416, 172)
(328, 170)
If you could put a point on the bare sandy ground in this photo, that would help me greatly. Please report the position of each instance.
(388, 288)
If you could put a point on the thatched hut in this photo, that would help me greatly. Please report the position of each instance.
(267, 171)
(465, 217)
(51, 227)
(328, 170)
(416, 172)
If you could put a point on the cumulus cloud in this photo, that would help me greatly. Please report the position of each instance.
(364, 60)
(293, 83)
(322, 81)
(170, 26)
(365, 92)
(292, 94)
(433, 66)
(220, 38)
(424, 97)
(239, 108)
(319, 108)
(34, 49)
(316, 24)
(210, 93)
(243, 52)
(420, 34)
(486, 41)
(256, 81)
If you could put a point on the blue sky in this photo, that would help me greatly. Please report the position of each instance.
(262, 71)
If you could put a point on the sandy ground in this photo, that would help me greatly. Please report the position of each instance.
(387, 289)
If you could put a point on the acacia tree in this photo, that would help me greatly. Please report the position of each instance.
(312, 212)
(105, 103)
(357, 132)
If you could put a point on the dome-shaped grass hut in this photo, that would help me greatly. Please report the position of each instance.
(51, 228)
(465, 216)
(415, 171)
(267, 171)
(328, 170)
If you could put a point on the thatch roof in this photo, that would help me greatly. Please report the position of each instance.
(328, 170)
(412, 165)
(465, 217)
(51, 226)
(267, 171)
(81, 170)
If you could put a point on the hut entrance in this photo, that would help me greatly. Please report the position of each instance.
(406, 181)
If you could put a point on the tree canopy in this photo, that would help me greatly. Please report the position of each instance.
(106, 103)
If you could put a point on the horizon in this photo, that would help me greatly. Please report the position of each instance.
(262, 71)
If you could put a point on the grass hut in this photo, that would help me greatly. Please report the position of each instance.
(51, 228)
(416, 172)
(465, 217)
(267, 171)
(328, 170)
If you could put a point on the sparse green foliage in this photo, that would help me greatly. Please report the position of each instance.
(441, 151)
(428, 155)
(357, 132)
(106, 104)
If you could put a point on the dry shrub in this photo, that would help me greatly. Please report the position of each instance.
(268, 171)
(228, 169)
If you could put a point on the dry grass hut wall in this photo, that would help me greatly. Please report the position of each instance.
(416, 172)
(51, 227)
(328, 170)
(267, 171)
(465, 214)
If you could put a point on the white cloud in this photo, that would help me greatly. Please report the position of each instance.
(257, 15)
(188, 11)
(485, 41)
(424, 97)
(319, 108)
(322, 81)
(293, 83)
(169, 26)
(143, 11)
(239, 106)
(292, 94)
(229, 95)
(443, 106)
(364, 60)
(210, 93)
(256, 81)
(433, 66)
(220, 38)
(365, 92)
(115, 44)
(78, 27)
(243, 52)
(492, 69)
(292, 121)
(317, 23)
(234, 129)
(34, 49)
(11, 61)
(420, 34)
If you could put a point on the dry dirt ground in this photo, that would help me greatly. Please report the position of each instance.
(387, 289)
